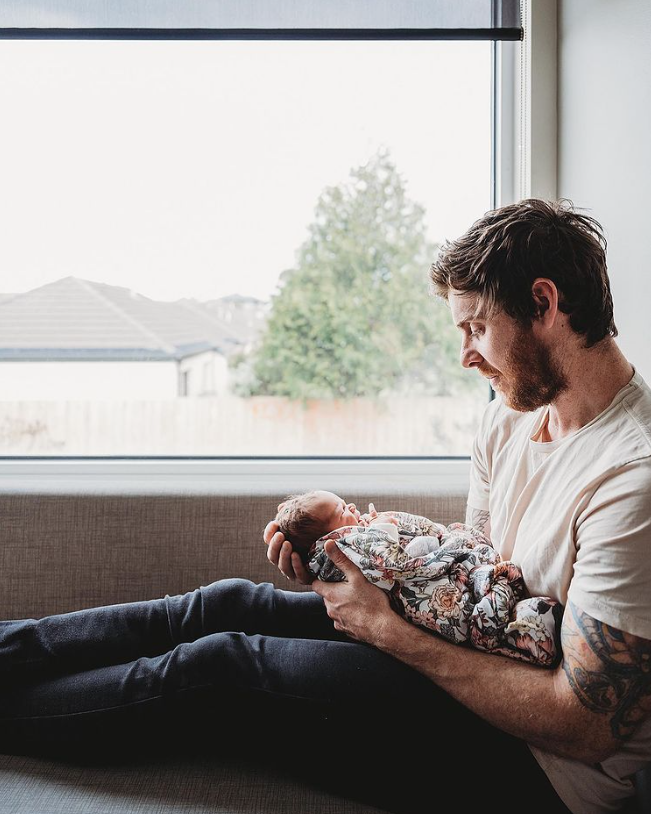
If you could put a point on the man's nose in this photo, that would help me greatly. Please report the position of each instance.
(469, 356)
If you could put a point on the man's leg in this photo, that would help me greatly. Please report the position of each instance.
(115, 634)
(286, 689)
(340, 714)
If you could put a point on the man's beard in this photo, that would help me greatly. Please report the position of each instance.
(530, 377)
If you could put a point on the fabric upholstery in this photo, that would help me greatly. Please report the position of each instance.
(64, 551)
(199, 785)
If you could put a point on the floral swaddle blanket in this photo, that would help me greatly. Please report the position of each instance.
(450, 580)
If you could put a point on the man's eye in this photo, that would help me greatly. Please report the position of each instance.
(476, 331)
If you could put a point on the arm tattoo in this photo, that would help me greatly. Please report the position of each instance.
(479, 519)
(620, 685)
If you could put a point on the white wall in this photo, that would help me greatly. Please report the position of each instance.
(604, 147)
(22, 381)
(207, 373)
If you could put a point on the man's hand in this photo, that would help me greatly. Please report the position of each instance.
(358, 608)
(280, 554)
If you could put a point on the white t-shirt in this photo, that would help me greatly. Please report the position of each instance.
(575, 515)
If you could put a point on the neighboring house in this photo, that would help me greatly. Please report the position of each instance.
(77, 339)
(244, 317)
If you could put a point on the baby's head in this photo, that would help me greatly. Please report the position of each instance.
(306, 517)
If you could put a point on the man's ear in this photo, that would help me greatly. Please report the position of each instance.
(542, 305)
(545, 297)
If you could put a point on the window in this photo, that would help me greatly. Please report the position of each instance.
(221, 247)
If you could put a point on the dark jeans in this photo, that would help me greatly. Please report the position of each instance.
(252, 670)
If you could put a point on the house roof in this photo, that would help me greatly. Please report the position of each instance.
(76, 318)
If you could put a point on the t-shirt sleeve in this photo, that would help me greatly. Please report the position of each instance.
(479, 492)
(612, 571)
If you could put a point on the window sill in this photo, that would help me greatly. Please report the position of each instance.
(233, 476)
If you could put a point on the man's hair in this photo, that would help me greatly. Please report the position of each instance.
(501, 255)
(297, 521)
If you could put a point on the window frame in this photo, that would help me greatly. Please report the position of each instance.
(516, 171)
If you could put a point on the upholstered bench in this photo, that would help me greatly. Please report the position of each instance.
(65, 548)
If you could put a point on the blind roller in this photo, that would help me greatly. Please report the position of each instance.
(349, 19)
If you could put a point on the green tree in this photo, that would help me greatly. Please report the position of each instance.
(355, 317)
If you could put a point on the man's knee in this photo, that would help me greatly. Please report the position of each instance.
(235, 589)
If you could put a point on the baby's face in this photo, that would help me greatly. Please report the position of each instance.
(335, 512)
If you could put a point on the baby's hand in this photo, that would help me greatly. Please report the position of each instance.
(367, 519)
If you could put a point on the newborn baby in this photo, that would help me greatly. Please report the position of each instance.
(447, 579)
(305, 518)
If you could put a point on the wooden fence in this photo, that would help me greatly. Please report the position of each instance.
(226, 426)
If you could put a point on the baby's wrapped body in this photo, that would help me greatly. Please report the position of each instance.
(450, 580)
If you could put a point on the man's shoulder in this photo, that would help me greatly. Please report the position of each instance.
(622, 433)
(637, 404)
(628, 419)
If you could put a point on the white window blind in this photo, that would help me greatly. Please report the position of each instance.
(205, 19)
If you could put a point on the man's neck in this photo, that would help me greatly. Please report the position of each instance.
(595, 377)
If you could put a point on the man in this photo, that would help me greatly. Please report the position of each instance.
(331, 682)
(561, 481)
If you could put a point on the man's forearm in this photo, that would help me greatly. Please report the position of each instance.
(527, 701)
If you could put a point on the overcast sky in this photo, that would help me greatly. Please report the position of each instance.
(192, 169)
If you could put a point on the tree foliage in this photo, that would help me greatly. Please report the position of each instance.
(354, 317)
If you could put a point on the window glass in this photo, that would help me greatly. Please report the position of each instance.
(221, 248)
